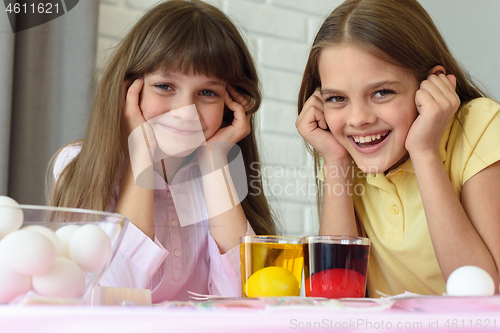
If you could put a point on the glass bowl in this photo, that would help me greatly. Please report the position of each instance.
(52, 255)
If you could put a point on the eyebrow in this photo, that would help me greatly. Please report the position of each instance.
(165, 75)
(373, 86)
(383, 83)
(172, 76)
(216, 83)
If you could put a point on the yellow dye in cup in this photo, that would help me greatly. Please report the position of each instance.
(271, 270)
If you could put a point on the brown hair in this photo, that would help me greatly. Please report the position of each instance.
(400, 32)
(174, 35)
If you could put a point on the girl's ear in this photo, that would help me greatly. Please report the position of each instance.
(438, 69)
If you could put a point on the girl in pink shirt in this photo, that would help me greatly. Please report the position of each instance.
(168, 141)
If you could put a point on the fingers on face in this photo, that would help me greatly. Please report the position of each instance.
(312, 114)
(313, 101)
(234, 94)
(241, 119)
(229, 101)
(320, 118)
(312, 119)
(308, 114)
(316, 116)
(317, 93)
(133, 92)
(453, 80)
(126, 84)
(423, 97)
(246, 101)
(131, 112)
(443, 82)
(232, 104)
(441, 89)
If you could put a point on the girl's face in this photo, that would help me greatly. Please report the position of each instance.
(183, 110)
(369, 106)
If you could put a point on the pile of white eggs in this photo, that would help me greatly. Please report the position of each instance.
(51, 264)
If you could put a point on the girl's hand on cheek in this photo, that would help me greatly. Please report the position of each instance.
(246, 101)
(311, 125)
(436, 103)
(240, 126)
(132, 116)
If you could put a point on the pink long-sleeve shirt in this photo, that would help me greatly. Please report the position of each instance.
(183, 256)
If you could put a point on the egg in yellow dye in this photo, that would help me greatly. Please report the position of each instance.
(272, 282)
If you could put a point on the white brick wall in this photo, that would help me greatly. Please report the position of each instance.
(279, 33)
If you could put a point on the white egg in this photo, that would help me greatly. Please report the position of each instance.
(12, 284)
(64, 279)
(64, 234)
(90, 247)
(27, 252)
(11, 216)
(470, 281)
(47, 233)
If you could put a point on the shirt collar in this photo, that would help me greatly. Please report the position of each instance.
(406, 166)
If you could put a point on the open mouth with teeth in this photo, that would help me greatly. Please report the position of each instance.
(371, 140)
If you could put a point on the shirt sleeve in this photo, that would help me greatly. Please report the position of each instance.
(138, 257)
(65, 156)
(225, 269)
(136, 261)
(481, 130)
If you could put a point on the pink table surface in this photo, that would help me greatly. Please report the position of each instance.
(443, 314)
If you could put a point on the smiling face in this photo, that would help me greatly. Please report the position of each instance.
(183, 110)
(369, 106)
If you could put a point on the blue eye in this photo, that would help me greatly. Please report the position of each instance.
(164, 86)
(208, 93)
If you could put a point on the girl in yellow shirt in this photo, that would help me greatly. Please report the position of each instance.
(409, 146)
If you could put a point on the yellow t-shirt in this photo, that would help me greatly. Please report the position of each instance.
(390, 210)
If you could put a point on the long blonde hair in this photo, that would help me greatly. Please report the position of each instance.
(400, 32)
(174, 35)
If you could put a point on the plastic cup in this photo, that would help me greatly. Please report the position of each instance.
(271, 266)
(335, 266)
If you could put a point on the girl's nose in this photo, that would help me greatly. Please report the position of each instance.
(188, 112)
(183, 106)
(360, 114)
